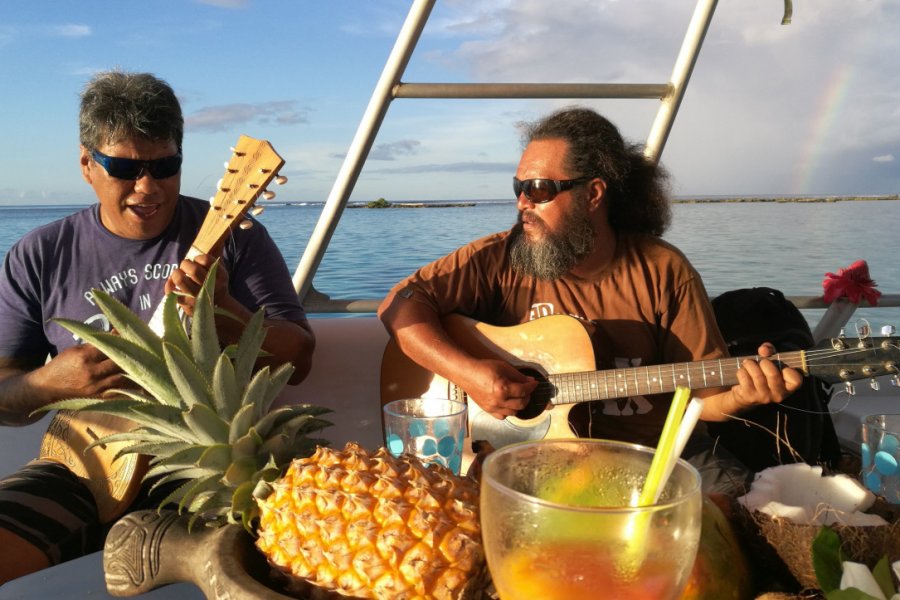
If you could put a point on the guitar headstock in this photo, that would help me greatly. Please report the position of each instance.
(253, 165)
(841, 359)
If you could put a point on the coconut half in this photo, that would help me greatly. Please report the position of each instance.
(789, 504)
(802, 494)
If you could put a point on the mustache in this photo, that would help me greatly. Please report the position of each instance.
(532, 216)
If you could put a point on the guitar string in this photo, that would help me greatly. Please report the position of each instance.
(817, 358)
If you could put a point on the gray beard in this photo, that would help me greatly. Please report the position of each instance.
(556, 255)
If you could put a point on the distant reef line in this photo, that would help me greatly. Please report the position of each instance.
(783, 199)
(382, 203)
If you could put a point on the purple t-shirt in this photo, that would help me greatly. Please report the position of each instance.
(51, 271)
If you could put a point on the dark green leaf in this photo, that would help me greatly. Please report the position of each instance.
(826, 557)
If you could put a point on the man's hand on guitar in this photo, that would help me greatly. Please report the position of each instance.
(500, 389)
(760, 382)
(187, 279)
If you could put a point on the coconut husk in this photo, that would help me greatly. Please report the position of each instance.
(792, 542)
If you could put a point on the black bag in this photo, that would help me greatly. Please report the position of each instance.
(747, 318)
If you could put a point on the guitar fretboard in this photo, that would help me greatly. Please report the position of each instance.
(571, 388)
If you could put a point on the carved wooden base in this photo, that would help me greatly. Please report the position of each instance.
(145, 550)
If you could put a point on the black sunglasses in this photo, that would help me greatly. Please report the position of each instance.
(129, 168)
(539, 191)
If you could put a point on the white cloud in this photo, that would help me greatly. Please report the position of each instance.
(71, 30)
(884, 158)
(221, 118)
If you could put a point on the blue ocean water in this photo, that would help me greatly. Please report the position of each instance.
(789, 246)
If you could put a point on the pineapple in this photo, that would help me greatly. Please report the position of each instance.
(368, 525)
(349, 522)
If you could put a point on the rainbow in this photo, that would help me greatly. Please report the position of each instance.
(830, 105)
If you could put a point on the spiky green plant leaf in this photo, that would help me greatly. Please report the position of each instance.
(163, 419)
(217, 457)
(142, 366)
(204, 338)
(241, 423)
(187, 377)
(249, 348)
(173, 324)
(206, 424)
(226, 395)
(127, 324)
(275, 383)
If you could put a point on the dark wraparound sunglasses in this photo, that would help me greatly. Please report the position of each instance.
(129, 168)
(540, 191)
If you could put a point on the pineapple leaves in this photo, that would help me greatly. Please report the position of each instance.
(140, 364)
(126, 323)
(187, 377)
(240, 424)
(206, 424)
(249, 348)
(226, 396)
(173, 326)
(204, 339)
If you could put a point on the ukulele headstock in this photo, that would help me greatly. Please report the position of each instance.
(253, 165)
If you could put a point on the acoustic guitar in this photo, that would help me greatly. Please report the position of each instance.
(557, 351)
(71, 436)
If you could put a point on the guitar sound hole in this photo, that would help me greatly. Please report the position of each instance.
(538, 401)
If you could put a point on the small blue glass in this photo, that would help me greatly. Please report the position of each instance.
(880, 456)
(432, 429)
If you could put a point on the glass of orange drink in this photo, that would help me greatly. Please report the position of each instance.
(560, 521)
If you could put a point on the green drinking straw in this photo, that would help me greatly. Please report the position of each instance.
(664, 455)
(660, 469)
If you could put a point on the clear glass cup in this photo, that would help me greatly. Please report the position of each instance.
(880, 456)
(559, 523)
(432, 429)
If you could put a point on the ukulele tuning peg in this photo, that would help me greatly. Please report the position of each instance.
(212, 200)
(235, 151)
(281, 180)
(246, 224)
(257, 210)
(268, 195)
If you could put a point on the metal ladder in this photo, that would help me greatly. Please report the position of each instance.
(390, 87)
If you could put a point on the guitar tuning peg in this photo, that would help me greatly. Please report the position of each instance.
(895, 381)
(888, 330)
(874, 385)
(235, 151)
(268, 195)
(257, 210)
(848, 386)
(246, 224)
(281, 180)
(212, 200)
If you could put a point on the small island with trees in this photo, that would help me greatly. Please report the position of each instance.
(382, 203)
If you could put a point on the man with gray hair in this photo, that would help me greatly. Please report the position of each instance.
(132, 244)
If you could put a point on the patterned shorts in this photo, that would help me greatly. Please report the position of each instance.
(45, 504)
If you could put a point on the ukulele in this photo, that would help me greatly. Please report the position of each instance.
(71, 437)
(557, 351)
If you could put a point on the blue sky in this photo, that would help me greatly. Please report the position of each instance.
(809, 108)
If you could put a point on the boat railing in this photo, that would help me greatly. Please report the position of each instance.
(836, 316)
(390, 87)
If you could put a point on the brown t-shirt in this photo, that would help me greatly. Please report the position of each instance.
(649, 308)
